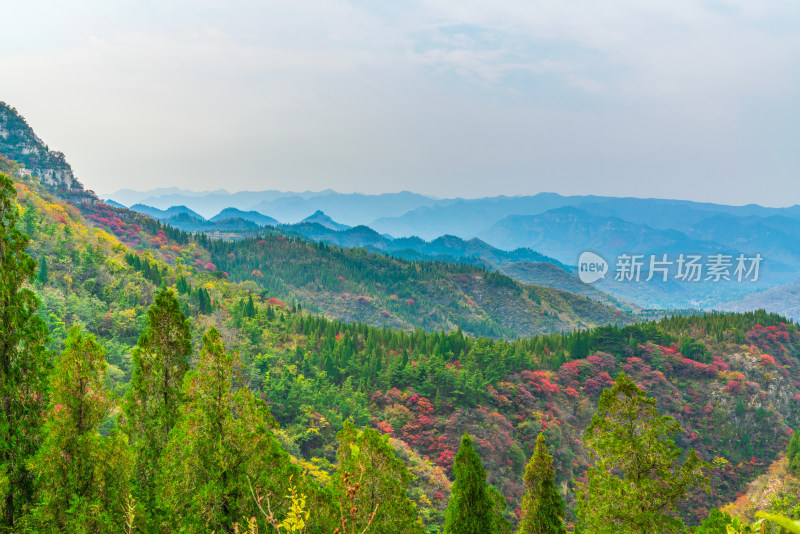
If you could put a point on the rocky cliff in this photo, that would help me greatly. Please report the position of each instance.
(19, 143)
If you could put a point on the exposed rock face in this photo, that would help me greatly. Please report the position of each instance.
(18, 142)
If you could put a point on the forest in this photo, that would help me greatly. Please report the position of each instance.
(142, 392)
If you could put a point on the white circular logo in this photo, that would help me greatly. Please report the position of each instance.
(591, 267)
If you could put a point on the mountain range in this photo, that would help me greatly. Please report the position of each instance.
(558, 228)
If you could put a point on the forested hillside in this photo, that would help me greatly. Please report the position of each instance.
(729, 380)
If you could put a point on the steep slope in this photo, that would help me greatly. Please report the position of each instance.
(19, 143)
(551, 275)
(730, 380)
(356, 285)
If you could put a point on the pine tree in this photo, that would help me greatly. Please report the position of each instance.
(159, 363)
(542, 505)
(24, 363)
(43, 275)
(222, 452)
(637, 480)
(250, 307)
(81, 477)
(377, 480)
(471, 507)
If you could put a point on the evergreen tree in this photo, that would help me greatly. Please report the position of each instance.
(378, 480)
(250, 307)
(637, 480)
(43, 274)
(471, 507)
(222, 452)
(81, 477)
(542, 505)
(159, 362)
(24, 363)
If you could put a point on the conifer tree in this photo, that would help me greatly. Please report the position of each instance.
(377, 481)
(542, 505)
(222, 453)
(471, 507)
(638, 479)
(159, 361)
(24, 363)
(81, 477)
(43, 275)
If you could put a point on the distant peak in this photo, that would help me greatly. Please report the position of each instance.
(321, 218)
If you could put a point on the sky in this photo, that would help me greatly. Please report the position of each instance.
(684, 99)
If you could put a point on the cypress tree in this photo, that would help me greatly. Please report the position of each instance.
(542, 505)
(222, 451)
(24, 363)
(43, 274)
(638, 478)
(372, 482)
(159, 362)
(470, 509)
(81, 477)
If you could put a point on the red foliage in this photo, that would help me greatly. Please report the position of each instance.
(276, 302)
(445, 460)
(767, 360)
(594, 386)
(734, 386)
(540, 383)
(385, 427)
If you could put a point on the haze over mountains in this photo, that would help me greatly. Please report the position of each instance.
(557, 228)
(534, 239)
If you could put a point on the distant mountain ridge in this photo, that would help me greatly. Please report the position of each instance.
(232, 213)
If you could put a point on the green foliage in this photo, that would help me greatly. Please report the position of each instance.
(222, 452)
(371, 483)
(81, 477)
(160, 361)
(473, 507)
(43, 275)
(718, 522)
(542, 505)
(637, 480)
(24, 363)
(793, 453)
(786, 524)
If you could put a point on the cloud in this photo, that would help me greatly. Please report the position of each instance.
(669, 98)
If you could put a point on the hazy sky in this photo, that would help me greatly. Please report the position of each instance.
(666, 98)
